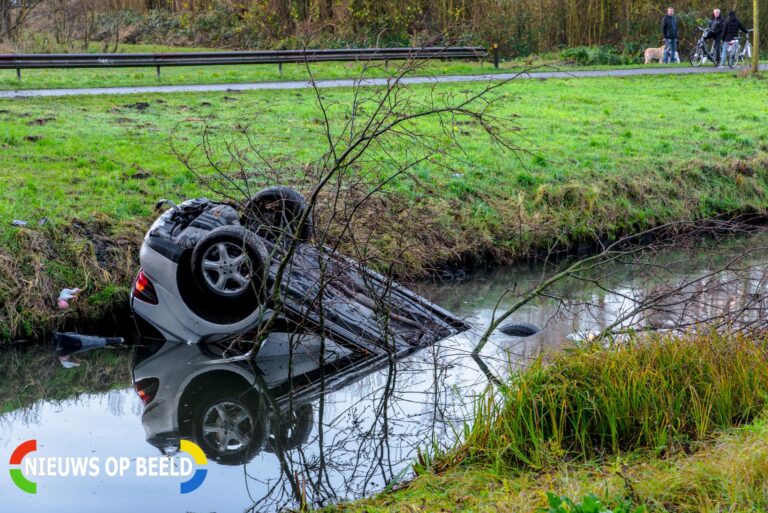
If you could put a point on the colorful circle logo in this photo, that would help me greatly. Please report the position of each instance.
(198, 477)
(17, 476)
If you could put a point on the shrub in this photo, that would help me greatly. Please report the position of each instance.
(595, 55)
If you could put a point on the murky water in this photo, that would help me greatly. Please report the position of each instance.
(283, 429)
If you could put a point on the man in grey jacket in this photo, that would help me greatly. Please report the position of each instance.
(670, 31)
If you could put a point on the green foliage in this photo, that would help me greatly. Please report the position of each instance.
(596, 55)
(589, 504)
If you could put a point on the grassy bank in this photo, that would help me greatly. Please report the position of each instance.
(667, 424)
(602, 156)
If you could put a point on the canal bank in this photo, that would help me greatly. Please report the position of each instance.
(597, 160)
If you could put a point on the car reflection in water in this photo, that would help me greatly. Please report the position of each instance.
(235, 407)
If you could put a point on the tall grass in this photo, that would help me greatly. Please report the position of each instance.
(657, 394)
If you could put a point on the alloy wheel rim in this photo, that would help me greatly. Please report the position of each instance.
(226, 268)
(227, 427)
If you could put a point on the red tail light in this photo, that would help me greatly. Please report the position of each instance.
(147, 389)
(144, 290)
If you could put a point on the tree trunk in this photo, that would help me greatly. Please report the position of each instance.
(5, 19)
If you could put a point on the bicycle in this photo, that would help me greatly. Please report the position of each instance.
(735, 53)
(699, 52)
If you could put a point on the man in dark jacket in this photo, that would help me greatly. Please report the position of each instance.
(669, 31)
(716, 32)
(731, 29)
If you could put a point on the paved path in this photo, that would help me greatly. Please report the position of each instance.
(299, 84)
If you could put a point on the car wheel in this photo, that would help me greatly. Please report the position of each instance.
(230, 265)
(275, 214)
(229, 429)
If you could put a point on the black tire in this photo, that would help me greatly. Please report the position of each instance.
(230, 428)
(696, 57)
(274, 214)
(520, 329)
(230, 265)
(731, 58)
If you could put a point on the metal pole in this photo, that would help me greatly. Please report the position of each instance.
(157, 72)
(280, 68)
(756, 36)
(18, 74)
(495, 49)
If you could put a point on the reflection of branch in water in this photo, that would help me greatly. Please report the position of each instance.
(486, 370)
(372, 441)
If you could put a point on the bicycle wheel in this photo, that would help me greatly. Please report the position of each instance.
(696, 57)
(732, 57)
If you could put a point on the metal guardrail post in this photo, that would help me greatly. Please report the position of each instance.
(157, 73)
(280, 68)
(18, 74)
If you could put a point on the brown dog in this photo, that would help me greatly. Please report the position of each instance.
(654, 54)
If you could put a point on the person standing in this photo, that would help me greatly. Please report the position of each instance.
(716, 33)
(669, 31)
(731, 29)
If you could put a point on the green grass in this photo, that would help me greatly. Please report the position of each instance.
(727, 473)
(666, 424)
(602, 155)
(657, 394)
(103, 77)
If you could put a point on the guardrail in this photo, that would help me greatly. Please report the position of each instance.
(279, 57)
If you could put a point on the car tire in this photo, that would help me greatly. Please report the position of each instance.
(520, 329)
(230, 265)
(274, 214)
(230, 428)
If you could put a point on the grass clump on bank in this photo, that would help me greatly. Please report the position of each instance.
(657, 394)
(665, 423)
(728, 473)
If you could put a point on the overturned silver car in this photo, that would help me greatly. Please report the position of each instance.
(211, 271)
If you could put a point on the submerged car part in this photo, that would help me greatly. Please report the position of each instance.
(209, 271)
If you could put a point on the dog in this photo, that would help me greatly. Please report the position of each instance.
(654, 54)
(657, 54)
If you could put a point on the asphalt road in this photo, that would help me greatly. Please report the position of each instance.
(258, 86)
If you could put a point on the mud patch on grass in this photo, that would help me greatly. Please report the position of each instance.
(140, 106)
(41, 121)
